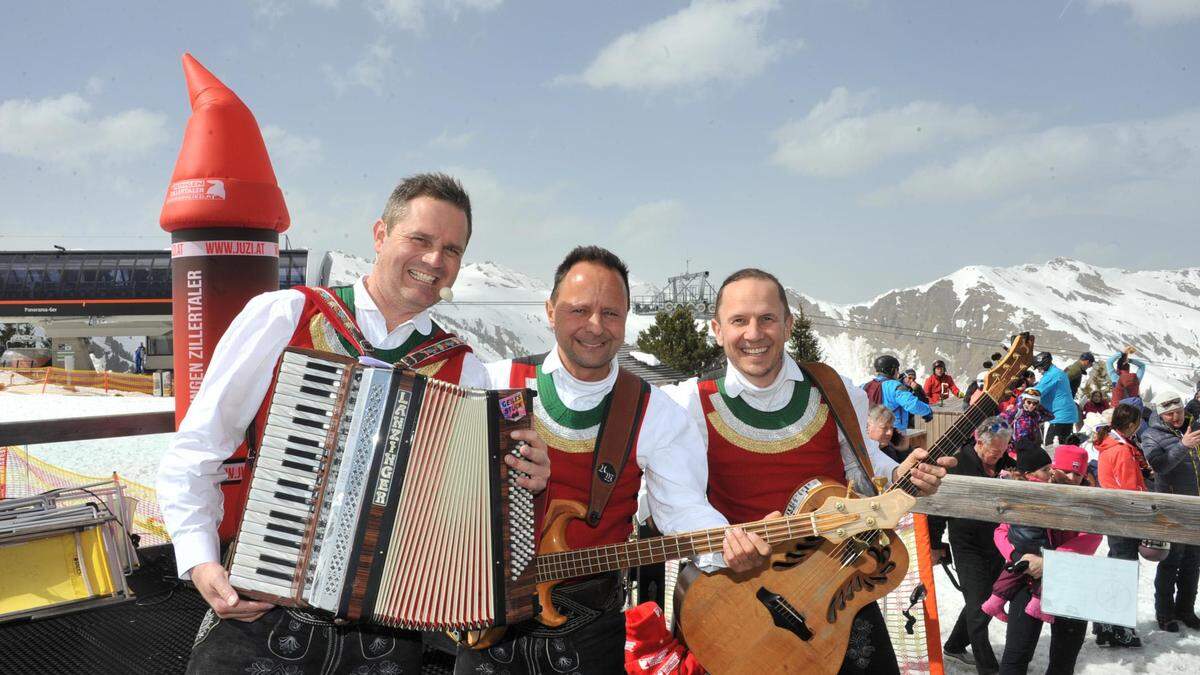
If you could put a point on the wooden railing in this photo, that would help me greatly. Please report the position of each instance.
(1125, 513)
(86, 428)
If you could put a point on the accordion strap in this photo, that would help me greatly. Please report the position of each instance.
(833, 389)
(614, 442)
(437, 349)
(339, 317)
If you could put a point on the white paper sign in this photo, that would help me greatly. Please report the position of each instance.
(1090, 587)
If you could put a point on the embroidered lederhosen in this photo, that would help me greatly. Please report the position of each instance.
(756, 460)
(327, 324)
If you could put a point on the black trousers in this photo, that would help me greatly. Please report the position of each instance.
(977, 571)
(283, 641)
(1059, 431)
(1021, 639)
(870, 650)
(595, 649)
(1175, 581)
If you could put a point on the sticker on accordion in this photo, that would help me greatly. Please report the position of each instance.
(513, 406)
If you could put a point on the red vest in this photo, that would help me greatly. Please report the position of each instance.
(571, 477)
(750, 477)
(319, 330)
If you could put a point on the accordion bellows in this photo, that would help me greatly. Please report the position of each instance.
(380, 495)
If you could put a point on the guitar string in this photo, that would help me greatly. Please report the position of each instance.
(603, 558)
(598, 559)
(842, 551)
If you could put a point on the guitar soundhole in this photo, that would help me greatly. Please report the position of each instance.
(798, 553)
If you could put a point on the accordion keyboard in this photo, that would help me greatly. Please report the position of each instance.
(289, 459)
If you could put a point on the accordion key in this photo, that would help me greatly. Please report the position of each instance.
(382, 496)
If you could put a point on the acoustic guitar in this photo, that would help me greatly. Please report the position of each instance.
(795, 614)
(835, 521)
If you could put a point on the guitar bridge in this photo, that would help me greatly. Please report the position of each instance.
(784, 614)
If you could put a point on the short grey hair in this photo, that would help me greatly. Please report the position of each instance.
(435, 185)
(992, 428)
(880, 414)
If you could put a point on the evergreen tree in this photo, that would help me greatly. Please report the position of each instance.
(679, 343)
(803, 345)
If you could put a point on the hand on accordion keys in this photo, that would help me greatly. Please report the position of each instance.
(535, 463)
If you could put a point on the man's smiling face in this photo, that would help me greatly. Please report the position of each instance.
(587, 314)
(752, 326)
(418, 255)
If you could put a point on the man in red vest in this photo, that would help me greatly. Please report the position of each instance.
(574, 407)
(419, 242)
(769, 431)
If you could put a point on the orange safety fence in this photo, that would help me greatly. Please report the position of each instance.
(74, 379)
(22, 475)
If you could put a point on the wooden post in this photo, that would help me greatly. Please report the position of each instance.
(1125, 513)
(45, 379)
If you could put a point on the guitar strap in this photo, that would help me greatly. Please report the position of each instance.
(833, 390)
(618, 431)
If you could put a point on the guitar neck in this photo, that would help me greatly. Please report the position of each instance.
(599, 559)
(955, 437)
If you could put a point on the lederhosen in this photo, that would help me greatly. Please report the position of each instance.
(286, 640)
(592, 639)
(757, 460)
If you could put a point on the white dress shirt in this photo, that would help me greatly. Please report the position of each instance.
(774, 397)
(670, 451)
(237, 379)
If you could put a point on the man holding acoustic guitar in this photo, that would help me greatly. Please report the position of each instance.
(771, 426)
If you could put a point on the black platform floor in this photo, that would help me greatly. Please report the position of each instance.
(149, 635)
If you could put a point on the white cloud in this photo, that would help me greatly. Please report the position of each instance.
(410, 14)
(291, 150)
(370, 71)
(709, 40)
(1057, 159)
(1152, 13)
(839, 137)
(62, 131)
(653, 222)
(448, 141)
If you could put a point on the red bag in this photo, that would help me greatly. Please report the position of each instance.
(650, 649)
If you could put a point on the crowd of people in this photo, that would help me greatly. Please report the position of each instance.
(1047, 431)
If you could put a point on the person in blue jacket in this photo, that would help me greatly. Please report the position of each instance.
(894, 394)
(1057, 398)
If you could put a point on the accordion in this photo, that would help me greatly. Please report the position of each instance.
(382, 496)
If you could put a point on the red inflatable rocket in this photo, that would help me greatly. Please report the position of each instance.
(224, 211)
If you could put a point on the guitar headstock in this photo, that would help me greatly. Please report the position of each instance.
(840, 518)
(1010, 366)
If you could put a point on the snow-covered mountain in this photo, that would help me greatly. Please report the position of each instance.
(499, 311)
(963, 318)
(1069, 306)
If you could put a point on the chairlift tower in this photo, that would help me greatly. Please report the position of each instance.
(690, 290)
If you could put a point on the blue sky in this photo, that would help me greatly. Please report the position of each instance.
(851, 147)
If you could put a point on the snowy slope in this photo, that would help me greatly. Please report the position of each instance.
(1069, 305)
(499, 311)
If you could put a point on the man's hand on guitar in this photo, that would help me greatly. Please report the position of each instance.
(212, 580)
(745, 551)
(926, 477)
(536, 462)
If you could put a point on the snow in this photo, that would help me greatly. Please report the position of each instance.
(1162, 652)
(648, 359)
(134, 457)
